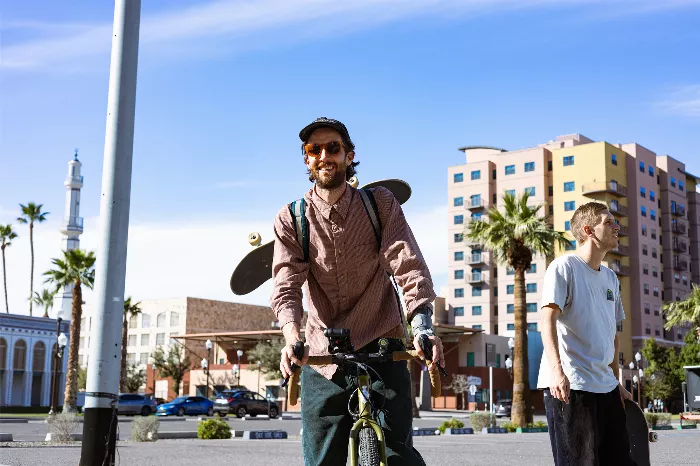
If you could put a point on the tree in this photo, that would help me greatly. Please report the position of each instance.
(460, 386)
(45, 300)
(6, 237)
(130, 310)
(657, 386)
(82, 377)
(77, 268)
(268, 355)
(174, 364)
(684, 312)
(31, 213)
(512, 237)
(135, 378)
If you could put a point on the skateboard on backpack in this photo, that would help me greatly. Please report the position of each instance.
(256, 267)
(639, 434)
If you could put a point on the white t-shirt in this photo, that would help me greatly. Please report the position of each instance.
(591, 307)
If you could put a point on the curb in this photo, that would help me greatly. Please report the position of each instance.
(425, 431)
(5, 437)
(75, 437)
(531, 430)
(14, 421)
(264, 435)
(494, 430)
(176, 435)
(459, 431)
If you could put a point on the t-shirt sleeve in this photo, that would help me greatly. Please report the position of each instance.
(619, 310)
(556, 290)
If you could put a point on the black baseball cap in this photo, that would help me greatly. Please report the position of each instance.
(324, 122)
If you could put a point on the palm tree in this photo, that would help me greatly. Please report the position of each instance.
(45, 300)
(77, 268)
(684, 312)
(32, 213)
(6, 237)
(513, 236)
(130, 310)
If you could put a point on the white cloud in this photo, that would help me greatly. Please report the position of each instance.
(193, 258)
(279, 20)
(684, 101)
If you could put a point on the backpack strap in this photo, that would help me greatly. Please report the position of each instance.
(301, 225)
(370, 206)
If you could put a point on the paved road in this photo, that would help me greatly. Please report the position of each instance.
(674, 448)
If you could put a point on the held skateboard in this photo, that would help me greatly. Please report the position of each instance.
(256, 267)
(639, 434)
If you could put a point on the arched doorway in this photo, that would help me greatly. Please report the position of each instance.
(38, 366)
(3, 370)
(19, 366)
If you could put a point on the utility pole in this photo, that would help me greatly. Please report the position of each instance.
(100, 415)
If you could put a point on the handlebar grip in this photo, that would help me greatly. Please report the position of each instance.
(320, 360)
(293, 390)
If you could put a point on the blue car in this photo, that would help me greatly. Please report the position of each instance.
(190, 405)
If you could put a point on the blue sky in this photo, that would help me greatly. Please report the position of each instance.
(225, 86)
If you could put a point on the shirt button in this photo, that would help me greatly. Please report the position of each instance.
(335, 228)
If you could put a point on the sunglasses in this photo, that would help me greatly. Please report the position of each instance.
(331, 148)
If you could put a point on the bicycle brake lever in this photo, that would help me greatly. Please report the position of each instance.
(298, 350)
(427, 346)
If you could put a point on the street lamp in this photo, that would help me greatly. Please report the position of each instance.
(638, 358)
(208, 346)
(236, 373)
(509, 366)
(56, 355)
(239, 353)
(259, 366)
(205, 366)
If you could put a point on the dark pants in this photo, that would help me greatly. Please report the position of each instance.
(590, 430)
(326, 422)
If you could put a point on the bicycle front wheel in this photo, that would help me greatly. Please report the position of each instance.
(368, 448)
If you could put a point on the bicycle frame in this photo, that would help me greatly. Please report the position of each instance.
(364, 389)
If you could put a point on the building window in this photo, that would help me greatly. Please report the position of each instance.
(131, 358)
(530, 190)
(160, 339)
(510, 192)
(459, 201)
(532, 269)
(568, 160)
(651, 171)
(685, 280)
(673, 182)
(476, 175)
(643, 192)
(131, 341)
(656, 291)
(145, 339)
(653, 253)
(510, 308)
(510, 271)
(571, 247)
(174, 319)
(652, 195)
(645, 251)
(531, 307)
(647, 327)
(459, 237)
(143, 358)
(656, 311)
(459, 255)
(646, 289)
(652, 214)
(680, 185)
(160, 320)
(470, 359)
(550, 190)
(529, 166)
(569, 206)
(641, 167)
(476, 327)
(567, 225)
(495, 290)
(476, 310)
(677, 277)
(644, 230)
(532, 326)
(458, 177)
(145, 321)
(133, 321)
(459, 292)
(510, 289)
(476, 290)
(647, 308)
(459, 311)
(549, 165)
(614, 159)
(657, 332)
(645, 269)
(654, 272)
(644, 211)
(510, 169)
(510, 327)
(493, 173)
(531, 288)
(459, 274)
(459, 219)
(653, 233)
(569, 186)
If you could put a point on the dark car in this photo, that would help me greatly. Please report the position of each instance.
(244, 402)
(190, 405)
(503, 408)
(132, 403)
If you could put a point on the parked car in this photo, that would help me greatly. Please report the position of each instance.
(244, 402)
(186, 405)
(228, 393)
(503, 408)
(132, 403)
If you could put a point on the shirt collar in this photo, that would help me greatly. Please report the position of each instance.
(342, 206)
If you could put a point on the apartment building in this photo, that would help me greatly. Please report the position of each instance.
(652, 197)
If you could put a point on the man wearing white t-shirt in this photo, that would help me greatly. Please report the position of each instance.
(581, 308)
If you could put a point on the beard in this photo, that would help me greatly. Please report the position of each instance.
(332, 180)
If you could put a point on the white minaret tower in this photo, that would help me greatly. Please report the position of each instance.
(72, 225)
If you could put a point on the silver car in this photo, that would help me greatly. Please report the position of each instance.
(132, 403)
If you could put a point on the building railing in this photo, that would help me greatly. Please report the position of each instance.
(621, 250)
(612, 187)
(73, 223)
(618, 209)
(476, 203)
(476, 277)
(620, 269)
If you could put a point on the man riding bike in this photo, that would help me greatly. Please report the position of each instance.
(344, 273)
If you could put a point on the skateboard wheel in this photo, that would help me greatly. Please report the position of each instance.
(653, 436)
(354, 182)
(254, 239)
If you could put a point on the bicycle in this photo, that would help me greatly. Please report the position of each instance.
(367, 445)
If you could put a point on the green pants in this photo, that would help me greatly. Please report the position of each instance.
(326, 422)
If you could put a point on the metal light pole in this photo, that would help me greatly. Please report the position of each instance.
(259, 366)
(239, 353)
(61, 342)
(54, 382)
(638, 358)
(100, 420)
(208, 346)
(235, 371)
(205, 366)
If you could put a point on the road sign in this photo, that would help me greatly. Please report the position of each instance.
(472, 390)
(491, 354)
(474, 380)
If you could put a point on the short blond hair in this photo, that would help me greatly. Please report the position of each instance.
(586, 215)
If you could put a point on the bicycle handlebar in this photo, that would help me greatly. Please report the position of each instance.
(341, 358)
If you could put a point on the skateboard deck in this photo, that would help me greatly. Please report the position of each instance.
(256, 267)
(639, 433)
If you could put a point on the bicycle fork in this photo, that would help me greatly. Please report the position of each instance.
(365, 421)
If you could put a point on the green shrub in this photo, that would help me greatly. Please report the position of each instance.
(213, 429)
(451, 424)
(509, 426)
(62, 426)
(479, 420)
(658, 419)
(539, 424)
(145, 429)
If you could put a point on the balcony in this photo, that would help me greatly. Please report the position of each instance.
(624, 231)
(679, 211)
(72, 224)
(475, 259)
(476, 204)
(679, 228)
(621, 250)
(73, 180)
(617, 209)
(477, 277)
(620, 269)
(679, 245)
(680, 264)
(611, 187)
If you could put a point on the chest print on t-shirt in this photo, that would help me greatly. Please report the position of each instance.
(610, 295)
